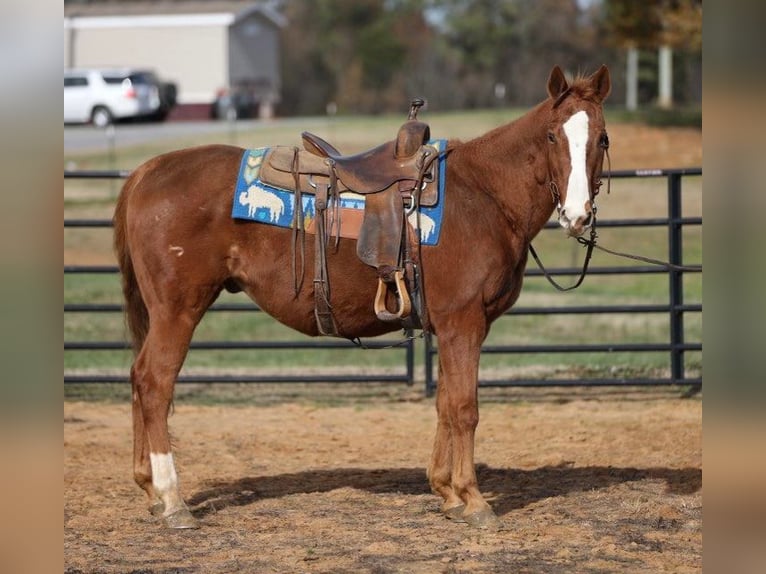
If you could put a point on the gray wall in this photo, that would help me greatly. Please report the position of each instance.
(254, 56)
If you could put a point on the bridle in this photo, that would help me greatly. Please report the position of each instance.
(590, 243)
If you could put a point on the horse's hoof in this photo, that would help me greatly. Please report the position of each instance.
(181, 519)
(455, 513)
(157, 508)
(483, 520)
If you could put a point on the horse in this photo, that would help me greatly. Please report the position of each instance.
(178, 248)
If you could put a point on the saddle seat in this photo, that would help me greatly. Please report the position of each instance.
(382, 166)
(388, 175)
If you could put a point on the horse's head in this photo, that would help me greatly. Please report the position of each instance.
(577, 141)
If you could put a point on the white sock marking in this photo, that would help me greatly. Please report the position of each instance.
(164, 476)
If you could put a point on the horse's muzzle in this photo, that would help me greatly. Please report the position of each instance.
(578, 226)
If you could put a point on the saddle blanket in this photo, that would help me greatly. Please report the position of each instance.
(257, 201)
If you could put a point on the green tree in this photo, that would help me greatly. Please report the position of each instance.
(651, 23)
(674, 27)
(355, 54)
(516, 43)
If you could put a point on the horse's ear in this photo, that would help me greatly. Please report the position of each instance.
(557, 83)
(602, 82)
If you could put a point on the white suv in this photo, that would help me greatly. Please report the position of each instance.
(103, 96)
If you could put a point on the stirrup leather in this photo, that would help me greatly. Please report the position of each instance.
(404, 304)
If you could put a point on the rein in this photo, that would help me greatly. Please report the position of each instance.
(590, 243)
(665, 264)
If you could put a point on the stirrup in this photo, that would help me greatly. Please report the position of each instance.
(404, 299)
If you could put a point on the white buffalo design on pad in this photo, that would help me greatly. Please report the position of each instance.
(258, 198)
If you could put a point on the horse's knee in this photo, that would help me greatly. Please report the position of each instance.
(466, 418)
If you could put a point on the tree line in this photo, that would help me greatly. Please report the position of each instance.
(372, 56)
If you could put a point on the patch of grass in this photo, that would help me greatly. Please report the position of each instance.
(102, 392)
(685, 117)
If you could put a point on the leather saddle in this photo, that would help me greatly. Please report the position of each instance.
(392, 177)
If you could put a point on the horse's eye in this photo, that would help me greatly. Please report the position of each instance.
(551, 137)
(604, 141)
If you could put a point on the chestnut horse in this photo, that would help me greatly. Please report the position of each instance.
(178, 248)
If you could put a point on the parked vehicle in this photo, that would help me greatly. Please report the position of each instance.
(234, 104)
(243, 99)
(103, 96)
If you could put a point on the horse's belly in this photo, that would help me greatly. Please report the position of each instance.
(266, 270)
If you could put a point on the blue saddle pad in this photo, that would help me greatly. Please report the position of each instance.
(257, 201)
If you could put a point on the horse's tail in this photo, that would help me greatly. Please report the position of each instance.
(136, 314)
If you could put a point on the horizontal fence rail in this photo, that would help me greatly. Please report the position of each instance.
(675, 309)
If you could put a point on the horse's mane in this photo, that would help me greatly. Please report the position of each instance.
(580, 87)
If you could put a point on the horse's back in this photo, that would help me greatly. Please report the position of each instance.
(208, 164)
(179, 186)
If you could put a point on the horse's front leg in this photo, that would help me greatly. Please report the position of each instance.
(440, 468)
(452, 472)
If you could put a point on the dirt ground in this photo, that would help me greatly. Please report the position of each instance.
(597, 483)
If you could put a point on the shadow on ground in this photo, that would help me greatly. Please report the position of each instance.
(512, 488)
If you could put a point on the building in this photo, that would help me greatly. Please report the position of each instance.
(204, 47)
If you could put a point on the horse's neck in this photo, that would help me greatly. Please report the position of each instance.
(509, 163)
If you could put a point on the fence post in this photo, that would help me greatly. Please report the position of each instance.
(429, 367)
(675, 278)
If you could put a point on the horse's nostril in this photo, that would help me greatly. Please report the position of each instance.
(588, 220)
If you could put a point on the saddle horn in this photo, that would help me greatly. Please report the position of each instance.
(415, 105)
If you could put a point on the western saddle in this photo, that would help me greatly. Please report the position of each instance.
(392, 178)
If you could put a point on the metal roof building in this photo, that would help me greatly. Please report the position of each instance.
(201, 46)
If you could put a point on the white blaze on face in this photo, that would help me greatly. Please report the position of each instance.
(578, 194)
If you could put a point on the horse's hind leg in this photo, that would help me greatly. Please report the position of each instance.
(153, 377)
(142, 467)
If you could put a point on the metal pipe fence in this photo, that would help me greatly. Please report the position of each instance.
(676, 347)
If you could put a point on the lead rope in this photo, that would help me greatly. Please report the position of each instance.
(591, 245)
(665, 264)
